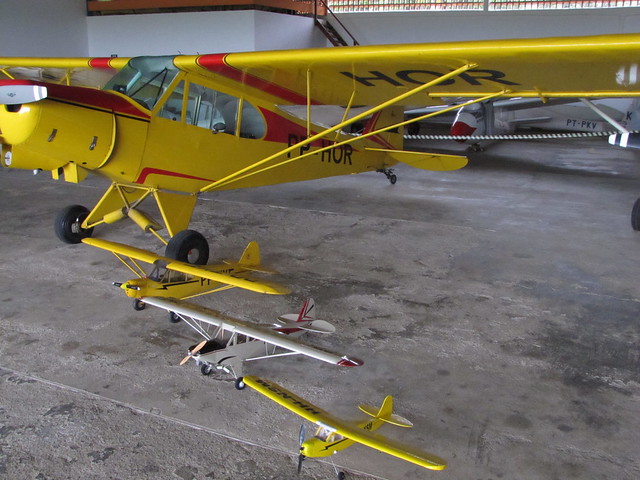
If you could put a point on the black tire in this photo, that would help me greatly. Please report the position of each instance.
(188, 246)
(341, 476)
(393, 179)
(206, 370)
(635, 216)
(174, 318)
(138, 305)
(67, 224)
(240, 385)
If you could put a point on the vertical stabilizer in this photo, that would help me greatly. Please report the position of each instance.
(385, 413)
(251, 256)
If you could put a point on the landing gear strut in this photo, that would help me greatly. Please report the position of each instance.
(389, 174)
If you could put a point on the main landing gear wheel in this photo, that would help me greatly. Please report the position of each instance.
(188, 246)
(635, 216)
(68, 224)
(240, 383)
(206, 370)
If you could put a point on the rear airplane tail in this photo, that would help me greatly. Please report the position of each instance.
(251, 255)
(250, 260)
(305, 319)
(385, 413)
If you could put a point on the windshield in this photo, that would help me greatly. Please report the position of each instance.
(144, 79)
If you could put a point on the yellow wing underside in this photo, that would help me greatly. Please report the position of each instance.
(314, 414)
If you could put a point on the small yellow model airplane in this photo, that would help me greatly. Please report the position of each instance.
(334, 435)
(170, 128)
(173, 279)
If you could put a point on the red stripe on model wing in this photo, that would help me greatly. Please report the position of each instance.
(216, 63)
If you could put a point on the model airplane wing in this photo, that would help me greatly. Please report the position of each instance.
(270, 336)
(318, 416)
(246, 283)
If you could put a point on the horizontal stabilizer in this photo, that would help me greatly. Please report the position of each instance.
(386, 416)
(316, 326)
(250, 260)
(436, 162)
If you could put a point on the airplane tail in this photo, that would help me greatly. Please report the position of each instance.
(305, 319)
(385, 413)
(250, 260)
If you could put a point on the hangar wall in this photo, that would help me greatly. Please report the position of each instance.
(392, 27)
(39, 28)
(199, 32)
(61, 28)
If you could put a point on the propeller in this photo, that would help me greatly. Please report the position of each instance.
(302, 436)
(193, 352)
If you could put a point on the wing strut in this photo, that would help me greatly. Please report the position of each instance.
(235, 176)
(354, 139)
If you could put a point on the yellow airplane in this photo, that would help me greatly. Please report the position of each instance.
(334, 435)
(171, 128)
(172, 279)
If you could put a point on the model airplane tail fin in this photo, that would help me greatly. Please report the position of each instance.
(385, 413)
(250, 260)
(306, 319)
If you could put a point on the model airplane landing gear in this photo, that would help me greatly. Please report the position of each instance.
(188, 246)
(389, 174)
(68, 224)
(635, 216)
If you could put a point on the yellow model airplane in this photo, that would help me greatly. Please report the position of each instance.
(334, 435)
(172, 279)
(171, 128)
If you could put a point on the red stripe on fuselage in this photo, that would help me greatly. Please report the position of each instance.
(216, 63)
(86, 97)
(156, 171)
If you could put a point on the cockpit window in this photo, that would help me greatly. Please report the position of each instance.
(144, 79)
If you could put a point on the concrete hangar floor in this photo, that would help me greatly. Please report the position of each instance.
(498, 304)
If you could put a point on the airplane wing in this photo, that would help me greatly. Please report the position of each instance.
(82, 72)
(197, 271)
(578, 67)
(316, 415)
(270, 336)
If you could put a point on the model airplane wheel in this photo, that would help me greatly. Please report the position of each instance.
(393, 179)
(174, 317)
(68, 224)
(188, 246)
(635, 216)
(138, 305)
(206, 370)
(341, 476)
(240, 383)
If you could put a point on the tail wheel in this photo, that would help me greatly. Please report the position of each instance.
(188, 246)
(68, 224)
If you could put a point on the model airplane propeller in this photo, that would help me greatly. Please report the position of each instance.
(192, 352)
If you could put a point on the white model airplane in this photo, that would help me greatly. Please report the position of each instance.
(231, 341)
